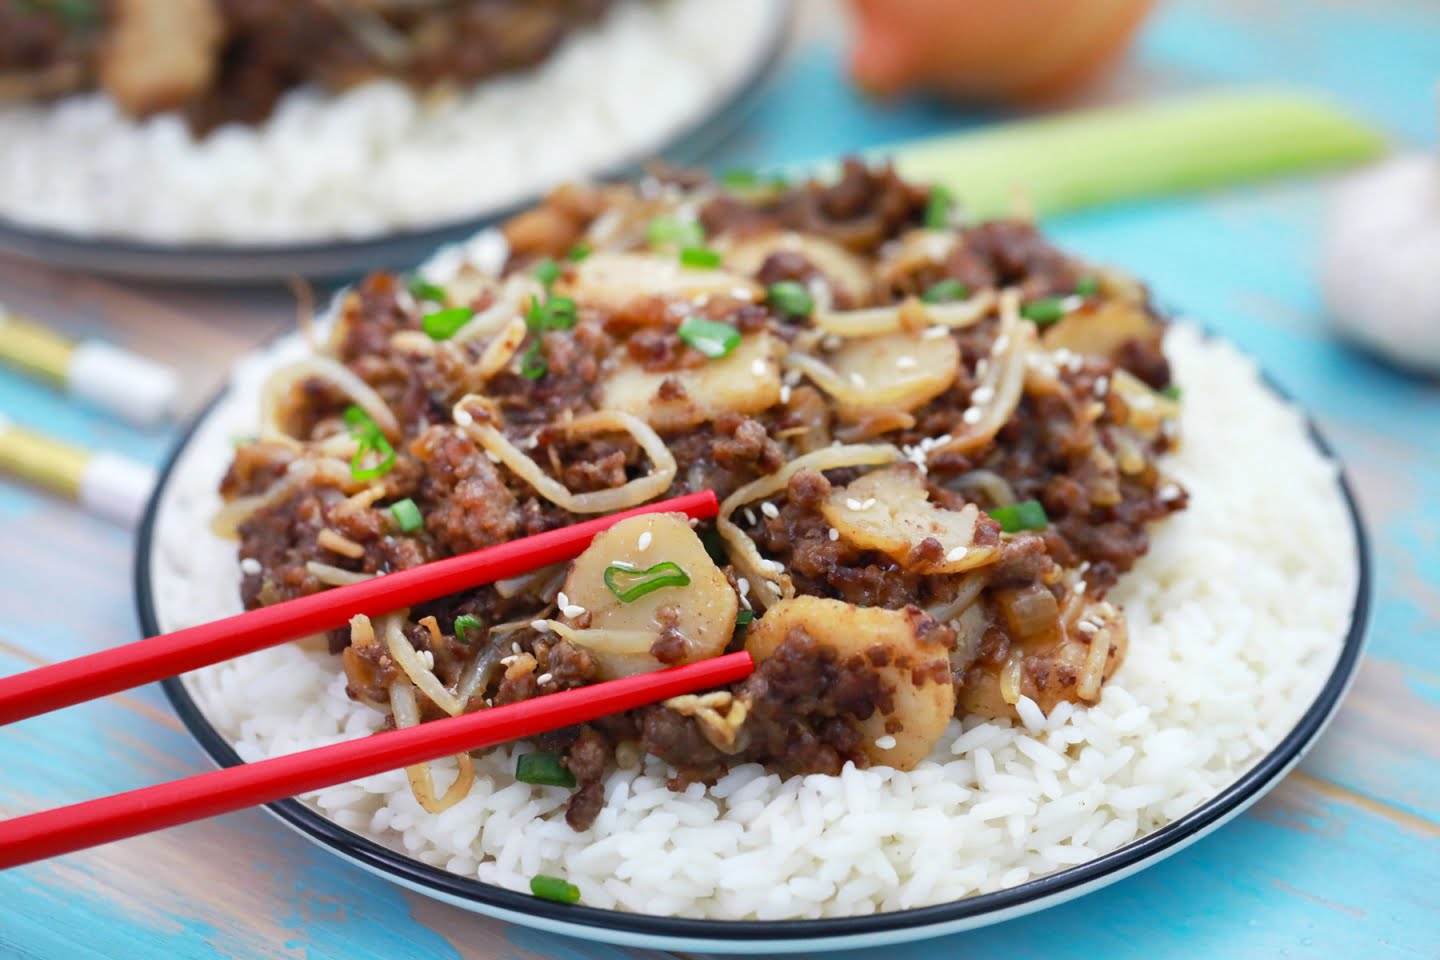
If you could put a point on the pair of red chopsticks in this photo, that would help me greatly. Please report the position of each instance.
(54, 832)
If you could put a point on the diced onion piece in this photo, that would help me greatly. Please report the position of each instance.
(1148, 408)
(916, 672)
(894, 372)
(746, 381)
(405, 654)
(843, 270)
(890, 511)
(1003, 383)
(476, 410)
(909, 315)
(279, 393)
(614, 279)
(770, 585)
(407, 714)
(620, 632)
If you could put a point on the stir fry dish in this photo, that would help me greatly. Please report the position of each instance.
(222, 61)
(935, 446)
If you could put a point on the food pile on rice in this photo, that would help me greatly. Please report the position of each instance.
(1010, 551)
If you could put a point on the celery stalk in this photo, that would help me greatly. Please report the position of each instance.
(1083, 159)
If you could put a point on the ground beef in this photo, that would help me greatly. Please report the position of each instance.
(467, 505)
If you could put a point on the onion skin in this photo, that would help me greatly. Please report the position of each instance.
(989, 51)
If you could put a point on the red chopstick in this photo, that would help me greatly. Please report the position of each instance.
(170, 654)
(55, 832)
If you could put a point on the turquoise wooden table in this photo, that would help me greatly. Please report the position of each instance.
(1342, 860)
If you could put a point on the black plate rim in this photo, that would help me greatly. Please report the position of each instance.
(142, 255)
(1033, 894)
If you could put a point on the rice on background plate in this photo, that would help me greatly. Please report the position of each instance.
(379, 159)
(1222, 663)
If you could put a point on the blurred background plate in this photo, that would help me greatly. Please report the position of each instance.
(687, 140)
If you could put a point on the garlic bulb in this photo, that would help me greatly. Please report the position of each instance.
(1381, 266)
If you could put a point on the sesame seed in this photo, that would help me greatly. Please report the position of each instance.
(785, 393)
(644, 543)
(463, 418)
(572, 610)
(886, 742)
(743, 585)
(540, 626)
(250, 565)
(1080, 586)
(757, 367)
(750, 517)
(1102, 386)
(622, 564)
(1086, 627)
(531, 442)
(935, 333)
(561, 600)
(769, 509)
(792, 377)
(515, 647)
(869, 502)
(982, 394)
(777, 566)
(971, 415)
(982, 367)
(506, 661)
(955, 554)
(1001, 342)
(906, 363)
(830, 342)
(852, 504)
(492, 456)
(543, 678)
(857, 380)
(429, 658)
(833, 534)
(1169, 492)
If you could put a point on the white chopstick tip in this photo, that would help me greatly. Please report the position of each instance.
(116, 488)
(140, 390)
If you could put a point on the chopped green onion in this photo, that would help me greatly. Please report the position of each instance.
(372, 441)
(579, 252)
(1171, 392)
(556, 313)
(715, 546)
(422, 289)
(1087, 287)
(1025, 515)
(407, 515)
(1044, 311)
(666, 574)
(377, 444)
(76, 13)
(544, 769)
(739, 178)
(744, 618)
(710, 337)
(465, 624)
(700, 258)
(553, 888)
(444, 324)
(670, 232)
(938, 208)
(791, 298)
(944, 291)
(547, 271)
(533, 366)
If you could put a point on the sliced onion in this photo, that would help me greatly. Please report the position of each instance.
(631, 494)
(405, 654)
(995, 488)
(407, 714)
(279, 384)
(507, 308)
(606, 641)
(499, 351)
(1003, 383)
(333, 576)
(966, 591)
(743, 552)
(910, 314)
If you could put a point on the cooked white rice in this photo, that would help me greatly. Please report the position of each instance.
(1236, 619)
(378, 158)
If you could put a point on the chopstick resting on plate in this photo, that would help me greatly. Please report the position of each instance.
(106, 484)
(170, 654)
